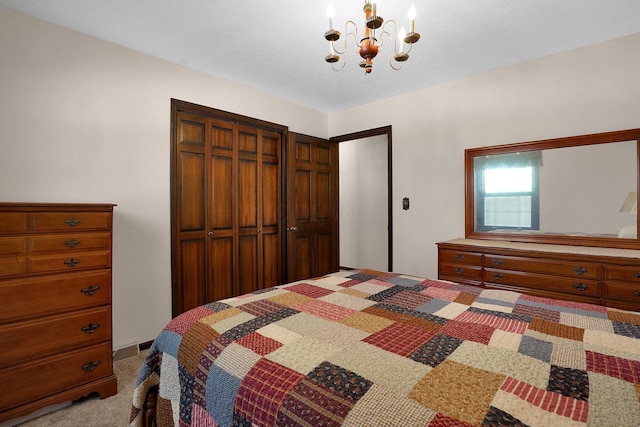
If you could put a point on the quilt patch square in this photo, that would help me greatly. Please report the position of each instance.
(386, 293)
(259, 343)
(535, 348)
(399, 338)
(263, 390)
(616, 367)
(199, 335)
(538, 312)
(441, 293)
(366, 322)
(340, 381)
(572, 383)
(468, 331)
(407, 299)
(630, 330)
(432, 306)
(623, 316)
(309, 290)
(458, 391)
(436, 350)
(556, 329)
(465, 298)
(258, 308)
(324, 310)
(311, 405)
(191, 317)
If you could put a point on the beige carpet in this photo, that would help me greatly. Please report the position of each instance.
(94, 412)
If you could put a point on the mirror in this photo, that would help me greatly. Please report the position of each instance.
(578, 190)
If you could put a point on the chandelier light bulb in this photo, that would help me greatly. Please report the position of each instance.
(330, 13)
(412, 12)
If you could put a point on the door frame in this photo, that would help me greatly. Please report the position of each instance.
(385, 130)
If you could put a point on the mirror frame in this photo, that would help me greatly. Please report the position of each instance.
(573, 141)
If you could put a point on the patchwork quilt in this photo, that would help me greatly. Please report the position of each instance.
(368, 348)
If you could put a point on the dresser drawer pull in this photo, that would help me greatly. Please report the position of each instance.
(90, 328)
(72, 262)
(72, 222)
(91, 365)
(580, 270)
(636, 275)
(73, 243)
(497, 261)
(580, 286)
(90, 290)
(459, 270)
(498, 275)
(459, 257)
(636, 293)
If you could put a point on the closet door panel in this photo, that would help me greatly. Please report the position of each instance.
(192, 260)
(248, 193)
(192, 195)
(221, 193)
(248, 260)
(270, 195)
(221, 269)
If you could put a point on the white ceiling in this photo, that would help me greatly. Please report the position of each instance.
(277, 46)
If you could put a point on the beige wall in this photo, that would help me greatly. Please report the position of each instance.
(587, 90)
(83, 120)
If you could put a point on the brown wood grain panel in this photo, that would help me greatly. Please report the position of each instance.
(44, 336)
(303, 196)
(13, 266)
(221, 283)
(53, 374)
(248, 260)
(323, 193)
(247, 140)
(271, 259)
(13, 245)
(69, 242)
(304, 258)
(222, 135)
(271, 144)
(248, 193)
(13, 222)
(68, 262)
(303, 152)
(221, 192)
(323, 156)
(191, 133)
(324, 246)
(192, 253)
(69, 221)
(270, 194)
(192, 191)
(30, 297)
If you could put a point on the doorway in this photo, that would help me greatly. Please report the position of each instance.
(366, 199)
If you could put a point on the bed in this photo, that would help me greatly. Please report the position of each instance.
(369, 348)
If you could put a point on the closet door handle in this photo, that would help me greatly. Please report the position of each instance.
(210, 234)
(292, 229)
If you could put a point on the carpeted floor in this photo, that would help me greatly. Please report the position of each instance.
(93, 412)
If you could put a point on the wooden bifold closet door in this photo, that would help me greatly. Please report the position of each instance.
(226, 205)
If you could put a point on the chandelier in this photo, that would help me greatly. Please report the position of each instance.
(369, 44)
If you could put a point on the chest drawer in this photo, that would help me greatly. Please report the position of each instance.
(32, 297)
(32, 339)
(65, 221)
(53, 374)
(622, 273)
(585, 287)
(13, 266)
(13, 222)
(69, 262)
(68, 242)
(580, 270)
(459, 257)
(13, 245)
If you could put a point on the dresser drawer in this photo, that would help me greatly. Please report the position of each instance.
(69, 242)
(23, 341)
(13, 266)
(31, 297)
(622, 290)
(622, 273)
(460, 271)
(13, 222)
(65, 221)
(69, 262)
(580, 270)
(459, 257)
(45, 377)
(584, 287)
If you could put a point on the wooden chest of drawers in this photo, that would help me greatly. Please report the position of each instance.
(608, 277)
(55, 317)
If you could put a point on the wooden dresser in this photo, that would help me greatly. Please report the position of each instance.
(55, 315)
(602, 276)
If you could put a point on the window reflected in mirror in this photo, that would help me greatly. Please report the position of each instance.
(580, 189)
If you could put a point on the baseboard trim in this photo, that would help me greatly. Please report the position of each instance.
(145, 345)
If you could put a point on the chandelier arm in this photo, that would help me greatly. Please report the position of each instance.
(344, 62)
